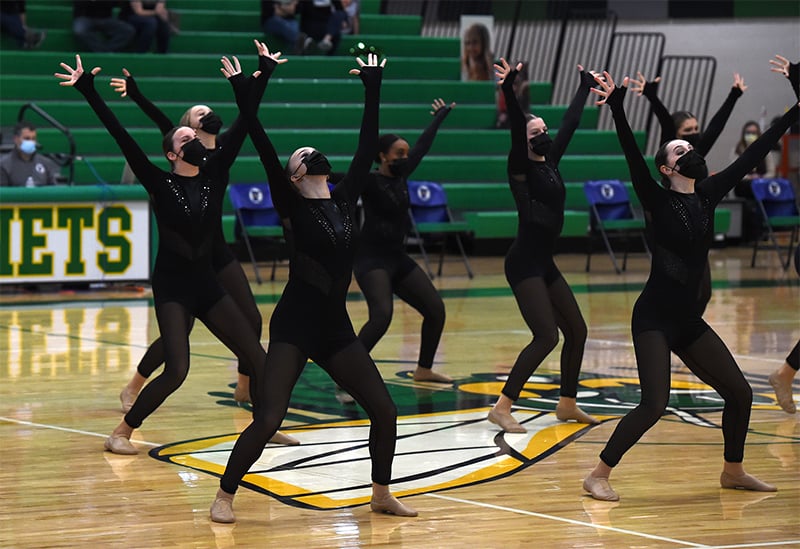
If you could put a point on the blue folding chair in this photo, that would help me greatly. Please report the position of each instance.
(611, 215)
(256, 217)
(431, 217)
(779, 213)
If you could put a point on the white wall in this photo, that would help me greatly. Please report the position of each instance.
(744, 47)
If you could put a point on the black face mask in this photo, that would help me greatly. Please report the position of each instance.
(541, 144)
(211, 123)
(692, 165)
(691, 138)
(317, 164)
(397, 167)
(194, 153)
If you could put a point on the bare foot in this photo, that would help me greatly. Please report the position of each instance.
(392, 506)
(506, 422)
(565, 412)
(427, 374)
(286, 440)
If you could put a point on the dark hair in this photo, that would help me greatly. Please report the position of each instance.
(385, 143)
(661, 160)
(166, 143)
(22, 125)
(679, 117)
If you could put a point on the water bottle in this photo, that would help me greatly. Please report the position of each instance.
(30, 182)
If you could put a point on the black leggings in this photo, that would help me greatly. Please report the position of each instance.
(234, 281)
(416, 289)
(546, 309)
(352, 369)
(224, 319)
(709, 359)
(793, 358)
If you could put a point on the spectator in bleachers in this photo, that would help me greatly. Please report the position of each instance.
(13, 21)
(23, 166)
(151, 20)
(352, 24)
(322, 21)
(476, 54)
(96, 28)
(278, 19)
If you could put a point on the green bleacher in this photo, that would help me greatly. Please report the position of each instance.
(310, 101)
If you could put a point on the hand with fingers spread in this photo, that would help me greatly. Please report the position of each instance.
(439, 104)
(640, 85)
(783, 66)
(74, 74)
(370, 72)
(738, 82)
(607, 88)
(504, 70)
(587, 77)
(229, 69)
(120, 85)
(263, 51)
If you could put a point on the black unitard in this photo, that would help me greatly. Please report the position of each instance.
(229, 270)
(382, 266)
(545, 299)
(185, 284)
(310, 319)
(703, 145)
(667, 315)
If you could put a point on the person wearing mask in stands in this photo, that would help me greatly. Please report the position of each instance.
(23, 166)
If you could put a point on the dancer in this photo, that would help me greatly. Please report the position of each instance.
(186, 201)
(382, 266)
(310, 319)
(781, 379)
(684, 125)
(667, 316)
(544, 298)
(207, 125)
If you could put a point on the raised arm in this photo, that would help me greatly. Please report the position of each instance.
(357, 175)
(146, 172)
(640, 86)
(128, 86)
(791, 71)
(572, 117)
(646, 188)
(718, 185)
(425, 141)
(518, 155)
(248, 100)
(717, 123)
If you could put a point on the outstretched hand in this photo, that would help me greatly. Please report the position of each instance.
(439, 104)
(502, 70)
(372, 61)
(74, 74)
(638, 83)
(738, 82)
(230, 69)
(263, 51)
(607, 87)
(120, 85)
(780, 65)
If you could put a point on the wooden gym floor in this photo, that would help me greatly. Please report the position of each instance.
(65, 358)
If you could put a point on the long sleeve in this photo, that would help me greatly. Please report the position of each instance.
(571, 118)
(357, 175)
(717, 123)
(425, 141)
(794, 78)
(257, 86)
(279, 184)
(146, 172)
(234, 137)
(153, 113)
(665, 121)
(518, 155)
(718, 185)
(646, 188)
